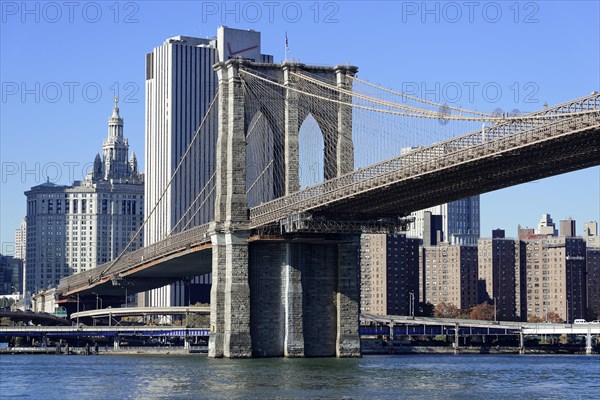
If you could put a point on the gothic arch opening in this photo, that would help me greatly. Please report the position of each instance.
(260, 162)
(311, 152)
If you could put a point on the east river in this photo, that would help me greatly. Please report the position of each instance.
(487, 377)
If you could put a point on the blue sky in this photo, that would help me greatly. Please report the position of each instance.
(61, 63)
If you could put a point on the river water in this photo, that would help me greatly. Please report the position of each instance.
(487, 377)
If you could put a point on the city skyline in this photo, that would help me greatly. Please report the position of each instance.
(116, 61)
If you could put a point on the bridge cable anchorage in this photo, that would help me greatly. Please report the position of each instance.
(187, 151)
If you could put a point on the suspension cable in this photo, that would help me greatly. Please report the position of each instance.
(165, 189)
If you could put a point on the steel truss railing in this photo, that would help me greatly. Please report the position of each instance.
(175, 243)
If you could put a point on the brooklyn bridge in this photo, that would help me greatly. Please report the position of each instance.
(283, 255)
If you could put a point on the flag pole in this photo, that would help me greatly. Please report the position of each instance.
(286, 46)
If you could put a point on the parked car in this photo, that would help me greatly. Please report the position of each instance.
(580, 321)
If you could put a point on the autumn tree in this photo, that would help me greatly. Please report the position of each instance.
(534, 319)
(446, 310)
(553, 317)
(483, 311)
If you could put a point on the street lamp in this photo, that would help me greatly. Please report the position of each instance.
(98, 298)
(412, 304)
(495, 309)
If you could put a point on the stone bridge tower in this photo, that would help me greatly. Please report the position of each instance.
(289, 296)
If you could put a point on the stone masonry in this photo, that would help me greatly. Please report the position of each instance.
(292, 297)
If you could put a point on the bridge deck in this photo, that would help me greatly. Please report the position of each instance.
(140, 311)
(506, 154)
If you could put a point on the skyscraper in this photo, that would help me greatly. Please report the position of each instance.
(553, 271)
(499, 274)
(593, 282)
(546, 226)
(567, 228)
(180, 86)
(590, 234)
(449, 274)
(21, 250)
(71, 229)
(21, 240)
(389, 270)
(459, 221)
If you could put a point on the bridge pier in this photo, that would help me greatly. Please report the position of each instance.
(521, 342)
(588, 342)
(456, 344)
(304, 299)
(348, 301)
(296, 299)
(230, 297)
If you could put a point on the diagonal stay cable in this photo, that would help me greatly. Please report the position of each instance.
(212, 103)
(208, 196)
(192, 204)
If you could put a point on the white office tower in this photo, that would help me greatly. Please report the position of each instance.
(547, 226)
(180, 86)
(457, 222)
(590, 234)
(21, 240)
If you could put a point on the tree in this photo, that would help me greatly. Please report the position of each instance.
(425, 309)
(534, 319)
(446, 310)
(6, 302)
(553, 317)
(196, 321)
(483, 311)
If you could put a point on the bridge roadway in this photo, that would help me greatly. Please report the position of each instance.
(400, 325)
(34, 317)
(408, 325)
(505, 154)
(104, 331)
(140, 311)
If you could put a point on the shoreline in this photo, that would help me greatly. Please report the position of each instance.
(203, 351)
